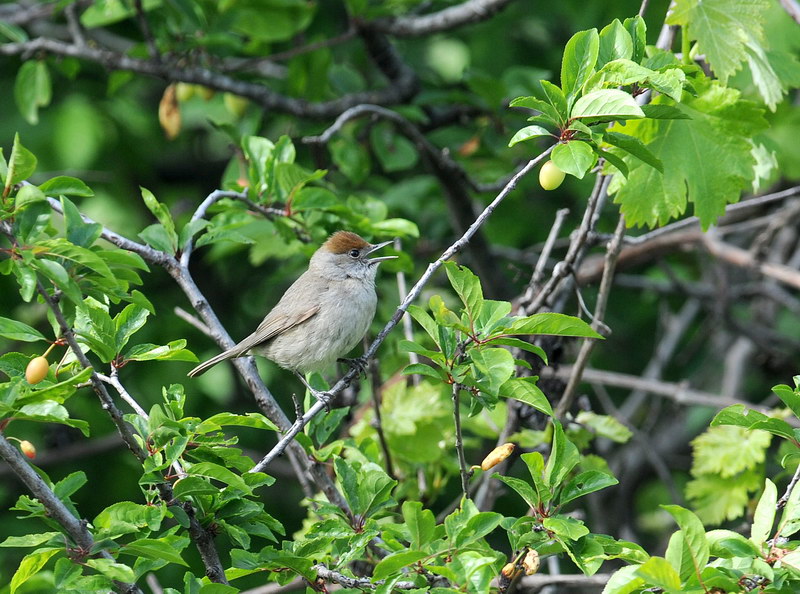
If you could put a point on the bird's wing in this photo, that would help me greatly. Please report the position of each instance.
(277, 322)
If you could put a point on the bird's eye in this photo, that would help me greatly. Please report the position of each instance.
(354, 253)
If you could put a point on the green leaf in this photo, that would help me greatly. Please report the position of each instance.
(555, 97)
(624, 581)
(395, 228)
(580, 57)
(637, 29)
(790, 397)
(657, 571)
(566, 527)
(220, 473)
(615, 42)
(635, 147)
(29, 540)
(32, 89)
(520, 344)
(63, 184)
(585, 483)
(193, 486)
(664, 112)
(421, 523)
(720, 28)
(527, 133)
(564, 456)
(467, 286)
(395, 562)
(522, 488)
(728, 544)
(525, 390)
(112, 570)
(764, 516)
(741, 416)
(426, 321)
(550, 113)
(424, 369)
(157, 237)
(477, 527)
(574, 157)
(30, 565)
(14, 330)
(173, 351)
(604, 426)
(79, 232)
(127, 322)
(727, 450)
(226, 419)
(721, 125)
(690, 553)
(496, 365)
(21, 163)
(716, 499)
(550, 323)
(606, 104)
(151, 548)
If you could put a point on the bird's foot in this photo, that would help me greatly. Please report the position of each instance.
(359, 364)
(323, 397)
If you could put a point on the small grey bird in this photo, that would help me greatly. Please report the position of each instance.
(323, 315)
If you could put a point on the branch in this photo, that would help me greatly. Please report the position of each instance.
(471, 11)
(677, 392)
(612, 253)
(462, 462)
(744, 259)
(401, 310)
(74, 527)
(536, 582)
(330, 575)
(399, 91)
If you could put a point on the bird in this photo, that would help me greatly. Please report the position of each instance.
(322, 315)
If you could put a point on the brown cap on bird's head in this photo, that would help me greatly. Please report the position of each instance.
(342, 242)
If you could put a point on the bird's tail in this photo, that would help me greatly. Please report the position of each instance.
(206, 365)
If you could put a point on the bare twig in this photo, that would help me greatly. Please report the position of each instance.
(789, 488)
(535, 582)
(743, 258)
(680, 393)
(599, 315)
(462, 461)
(318, 407)
(408, 329)
(144, 25)
(190, 319)
(375, 376)
(471, 11)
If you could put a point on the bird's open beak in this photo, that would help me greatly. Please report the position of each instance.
(375, 248)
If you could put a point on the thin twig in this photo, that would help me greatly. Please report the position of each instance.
(189, 318)
(789, 488)
(408, 328)
(318, 407)
(330, 575)
(544, 256)
(470, 11)
(375, 376)
(144, 25)
(462, 461)
(599, 315)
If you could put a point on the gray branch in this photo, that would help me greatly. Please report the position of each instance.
(471, 11)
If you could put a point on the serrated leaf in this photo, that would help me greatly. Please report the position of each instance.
(728, 450)
(720, 28)
(721, 125)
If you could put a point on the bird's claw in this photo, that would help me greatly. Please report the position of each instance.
(323, 397)
(359, 364)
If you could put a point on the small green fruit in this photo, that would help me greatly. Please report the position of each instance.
(184, 91)
(235, 104)
(550, 176)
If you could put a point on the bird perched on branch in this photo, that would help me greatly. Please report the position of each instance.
(322, 316)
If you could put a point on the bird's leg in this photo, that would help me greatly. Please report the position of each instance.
(323, 397)
(359, 364)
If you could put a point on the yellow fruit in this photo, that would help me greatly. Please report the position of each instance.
(235, 104)
(497, 455)
(36, 370)
(550, 176)
(184, 91)
(28, 449)
(510, 571)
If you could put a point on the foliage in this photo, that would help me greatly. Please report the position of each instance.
(286, 116)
